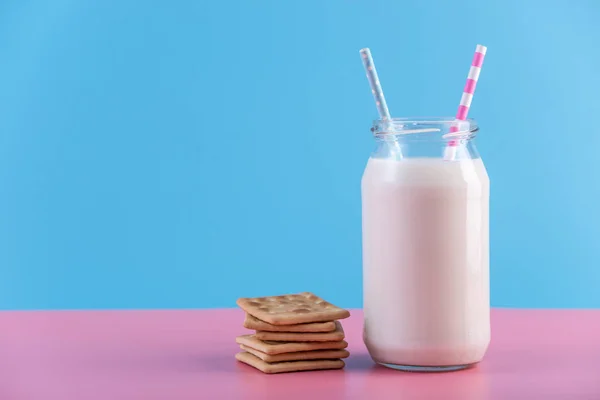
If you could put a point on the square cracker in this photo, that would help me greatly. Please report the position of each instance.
(297, 356)
(334, 336)
(287, 366)
(292, 309)
(251, 322)
(269, 347)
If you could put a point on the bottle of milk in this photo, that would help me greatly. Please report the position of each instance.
(425, 219)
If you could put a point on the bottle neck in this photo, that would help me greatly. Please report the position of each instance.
(394, 148)
(400, 138)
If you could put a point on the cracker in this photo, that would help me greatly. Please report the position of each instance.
(288, 366)
(269, 347)
(334, 336)
(251, 322)
(292, 309)
(298, 356)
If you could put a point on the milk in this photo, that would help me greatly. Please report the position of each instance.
(426, 261)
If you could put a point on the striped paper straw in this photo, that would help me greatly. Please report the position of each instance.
(469, 90)
(365, 55)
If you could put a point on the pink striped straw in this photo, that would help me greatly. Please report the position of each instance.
(469, 90)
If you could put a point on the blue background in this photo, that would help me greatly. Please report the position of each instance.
(182, 154)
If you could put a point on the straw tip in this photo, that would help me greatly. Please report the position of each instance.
(481, 49)
(365, 50)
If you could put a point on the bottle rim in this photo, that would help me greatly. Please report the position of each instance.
(443, 128)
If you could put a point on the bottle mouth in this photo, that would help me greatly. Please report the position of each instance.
(421, 128)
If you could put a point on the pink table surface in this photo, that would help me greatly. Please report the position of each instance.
(113, 355)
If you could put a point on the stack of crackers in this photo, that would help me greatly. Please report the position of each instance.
(297, 332)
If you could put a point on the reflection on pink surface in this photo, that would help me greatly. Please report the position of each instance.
(553, 354)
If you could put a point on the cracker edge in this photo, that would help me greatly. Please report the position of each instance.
(335, 336)
(288, 366)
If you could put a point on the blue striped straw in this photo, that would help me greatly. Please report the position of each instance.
(365, 55)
